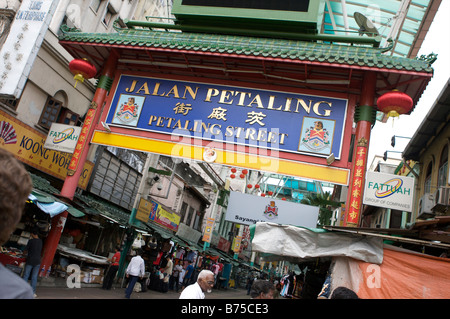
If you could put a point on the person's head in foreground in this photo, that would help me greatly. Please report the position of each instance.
(205, 280)
(343, 293)
(262, 289)
(15, 186)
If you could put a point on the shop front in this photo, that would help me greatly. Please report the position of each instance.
(364, 262)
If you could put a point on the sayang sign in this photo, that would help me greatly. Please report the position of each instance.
(291, 122)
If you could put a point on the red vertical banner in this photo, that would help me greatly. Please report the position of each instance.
(82, 139)
(357, 184)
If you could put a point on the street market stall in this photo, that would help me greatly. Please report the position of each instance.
(364, 264)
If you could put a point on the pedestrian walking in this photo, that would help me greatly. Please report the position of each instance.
(167, 273)
(112, 270)
(188, 274)
(135, 270)
(249, 284)
(33, 261)
(205, 283)
(15, 186)
(174, 282)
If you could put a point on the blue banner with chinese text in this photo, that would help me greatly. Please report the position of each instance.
(285, 121)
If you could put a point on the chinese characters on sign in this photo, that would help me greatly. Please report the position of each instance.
(275, 120)
(81, 140)
(357, 185)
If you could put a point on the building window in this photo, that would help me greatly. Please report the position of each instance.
(50, 113)
(68, 117)
(183, 211)
(95, 5)
(190, 215)
(10, 103)
(443, 166)
(427, 185)
(114, 180)
(108, 16)
(54, 112)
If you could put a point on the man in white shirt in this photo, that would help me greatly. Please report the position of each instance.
(167, 271)
(135, 270)
(205, 283)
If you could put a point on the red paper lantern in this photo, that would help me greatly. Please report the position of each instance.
(242, 176)
(257, 186)
(233, 170)
(244, 171)
(270, 193)
(394, 103)
(284, 198)
(263, 195)
(232, 176)
(82, 69)
(249, 186)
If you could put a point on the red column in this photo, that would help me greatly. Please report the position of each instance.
(77, 162)
(360, 153)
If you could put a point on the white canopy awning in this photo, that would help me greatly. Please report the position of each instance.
(286, 242)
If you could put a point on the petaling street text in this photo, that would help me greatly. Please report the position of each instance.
(217, 130)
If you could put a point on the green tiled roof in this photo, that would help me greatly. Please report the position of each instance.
(295, 50)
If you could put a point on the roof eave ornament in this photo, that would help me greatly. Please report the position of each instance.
(430, 58)
(389, 47)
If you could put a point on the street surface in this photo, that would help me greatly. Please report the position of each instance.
(119, 293)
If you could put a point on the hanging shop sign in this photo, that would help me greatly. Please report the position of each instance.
(152, 211)
(143, 210)
(389, 191)
(207, 234)
(62, 137)
(249, 209)
(237, 244)
(163, 217)
(22, 44)
(282, 121)
(28, 145)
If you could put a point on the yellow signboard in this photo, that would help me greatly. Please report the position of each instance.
(228, 157)
(152, 211)
(237, 244)
(208, 230)
(143, 211)
(27, 144)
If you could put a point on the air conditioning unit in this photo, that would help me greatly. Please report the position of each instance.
(442, 200)
(426, 204)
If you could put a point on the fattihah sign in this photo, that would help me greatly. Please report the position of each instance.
(62, 137)
(27, 144)
(22, 44)
(290, 122)
(389, 191)
(247, 209)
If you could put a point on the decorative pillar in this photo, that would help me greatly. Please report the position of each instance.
(78, 160)
(365, 117)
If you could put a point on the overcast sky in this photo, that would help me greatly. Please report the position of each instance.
(436, 41)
